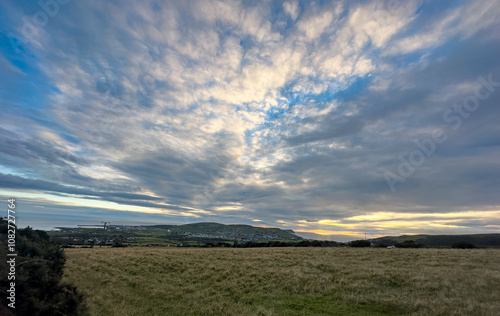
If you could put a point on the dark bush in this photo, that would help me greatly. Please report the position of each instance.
(409, 244)
(302, 243)
(118, 245)
(359, 243)
(39, 269)
(463, 245)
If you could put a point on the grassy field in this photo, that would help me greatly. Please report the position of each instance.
(286, 281)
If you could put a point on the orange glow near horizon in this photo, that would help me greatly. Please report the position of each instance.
(329, 232)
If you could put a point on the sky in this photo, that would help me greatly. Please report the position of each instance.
(331, 118)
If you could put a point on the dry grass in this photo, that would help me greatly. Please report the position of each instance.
(287, 281)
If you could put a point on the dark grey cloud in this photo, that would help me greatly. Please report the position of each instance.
(33, 149)
(16, 182)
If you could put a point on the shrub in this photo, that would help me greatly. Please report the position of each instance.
(359, 243)
(463, 245)
(119, 245)
(409, 244)
(39, 269)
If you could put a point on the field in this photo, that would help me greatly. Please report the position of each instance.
(286, 281)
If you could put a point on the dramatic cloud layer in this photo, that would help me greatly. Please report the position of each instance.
(329, 117)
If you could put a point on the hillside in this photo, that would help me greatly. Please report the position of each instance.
(221, 231)
(196, 234)
(480, 240)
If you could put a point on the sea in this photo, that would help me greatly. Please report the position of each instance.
(51, 224)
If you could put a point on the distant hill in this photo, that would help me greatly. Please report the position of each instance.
(221, 231)
(480, 240)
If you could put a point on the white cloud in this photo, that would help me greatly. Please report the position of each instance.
(464, 20)
(314, 25)
(378, 23)
(292, 9)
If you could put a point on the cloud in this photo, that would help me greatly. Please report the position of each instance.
(292, 9)
(314, 24)
(463, 21)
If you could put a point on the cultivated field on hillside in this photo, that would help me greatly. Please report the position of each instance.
(286, 281)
